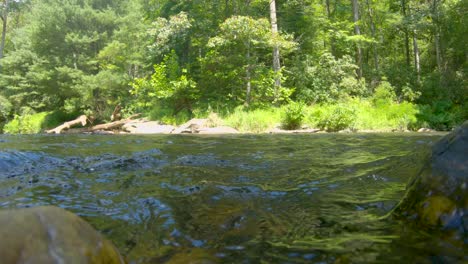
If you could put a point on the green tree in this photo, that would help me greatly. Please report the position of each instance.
(241, 47)
(4, 17)
(328, 79)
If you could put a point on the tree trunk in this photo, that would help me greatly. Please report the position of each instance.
(407, 45)
(4, 17)
(248, 76)
(435, 21)
(357, 32)
(438, 50)
(276, 53)
(417, 65)
(374, 45)
(332, 41)
(75, 61)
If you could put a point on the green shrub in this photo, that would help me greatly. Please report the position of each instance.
(384, 94)
(165, 114)
(334, 118)
(55, 118)
(441, 115)
(159, 111)
(26, 124)
(293, 116)
(31, 123)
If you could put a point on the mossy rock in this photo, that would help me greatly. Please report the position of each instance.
(437, 197)
(51, 235)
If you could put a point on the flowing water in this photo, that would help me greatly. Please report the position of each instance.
(318, 198)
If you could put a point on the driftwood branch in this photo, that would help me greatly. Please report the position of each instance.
(116, 115)
(80, 120)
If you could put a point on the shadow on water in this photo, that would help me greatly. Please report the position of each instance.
(235, 199)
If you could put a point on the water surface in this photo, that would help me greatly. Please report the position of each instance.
(316, 198)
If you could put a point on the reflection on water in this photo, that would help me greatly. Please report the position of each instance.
(234, 199)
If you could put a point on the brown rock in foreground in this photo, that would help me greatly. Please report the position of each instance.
(51, 235)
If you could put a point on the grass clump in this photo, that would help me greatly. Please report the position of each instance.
(254, 121)
(379, 114)
(213, 120)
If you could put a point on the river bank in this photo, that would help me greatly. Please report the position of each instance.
(207, 126)
(195, 126)
(352, 116)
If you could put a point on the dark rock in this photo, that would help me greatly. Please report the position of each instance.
(51, 235)
(437, 197)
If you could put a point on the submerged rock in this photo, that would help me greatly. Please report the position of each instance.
(437, 197)
(17, 163)
(51, 235)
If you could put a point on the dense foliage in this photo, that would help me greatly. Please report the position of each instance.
(173, 60)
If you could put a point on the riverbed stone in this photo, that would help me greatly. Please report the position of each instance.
(191, 126)
(150, 127)
(438, 197)
(50, 234)
(217, 130)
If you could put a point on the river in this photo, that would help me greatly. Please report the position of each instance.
(316, 198)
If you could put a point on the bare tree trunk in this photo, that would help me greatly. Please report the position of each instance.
(357, 32)
(417, 64)
(332, 41)
(438, 42)
(438, 50)
(248, 76)
(4, 17)
(435, 19)
(407, 45)
(75, 61)
(276, 53)
(374, 45)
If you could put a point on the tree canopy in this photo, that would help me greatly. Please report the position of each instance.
(90, 55)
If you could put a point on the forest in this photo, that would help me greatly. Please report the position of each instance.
(331, 64)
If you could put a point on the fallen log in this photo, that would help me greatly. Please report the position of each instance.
(81, 119)
(111, 125)
(106, 126)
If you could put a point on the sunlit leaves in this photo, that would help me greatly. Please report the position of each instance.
(168, 83)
